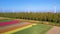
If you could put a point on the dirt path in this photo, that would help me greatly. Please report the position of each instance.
(54, 30)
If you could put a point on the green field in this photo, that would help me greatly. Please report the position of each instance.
(4, 20)
(35, 29)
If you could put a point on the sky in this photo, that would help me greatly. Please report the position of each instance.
(29, 5)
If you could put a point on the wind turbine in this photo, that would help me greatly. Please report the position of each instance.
(55, 9)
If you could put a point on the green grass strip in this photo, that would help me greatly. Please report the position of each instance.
(4, 20)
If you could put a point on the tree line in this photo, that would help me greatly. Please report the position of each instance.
(40, 16)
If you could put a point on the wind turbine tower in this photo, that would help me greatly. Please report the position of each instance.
(55, 9)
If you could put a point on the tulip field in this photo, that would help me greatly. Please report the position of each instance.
(9, 22)
(8, 26)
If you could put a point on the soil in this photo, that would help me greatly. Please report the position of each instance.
(54, 30)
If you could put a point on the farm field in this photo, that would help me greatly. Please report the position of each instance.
(9, 25)
(22, 26)
(35, 29)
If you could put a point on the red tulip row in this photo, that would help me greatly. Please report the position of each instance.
(8, 23)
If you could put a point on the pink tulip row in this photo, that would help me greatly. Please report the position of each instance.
(8, 23)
